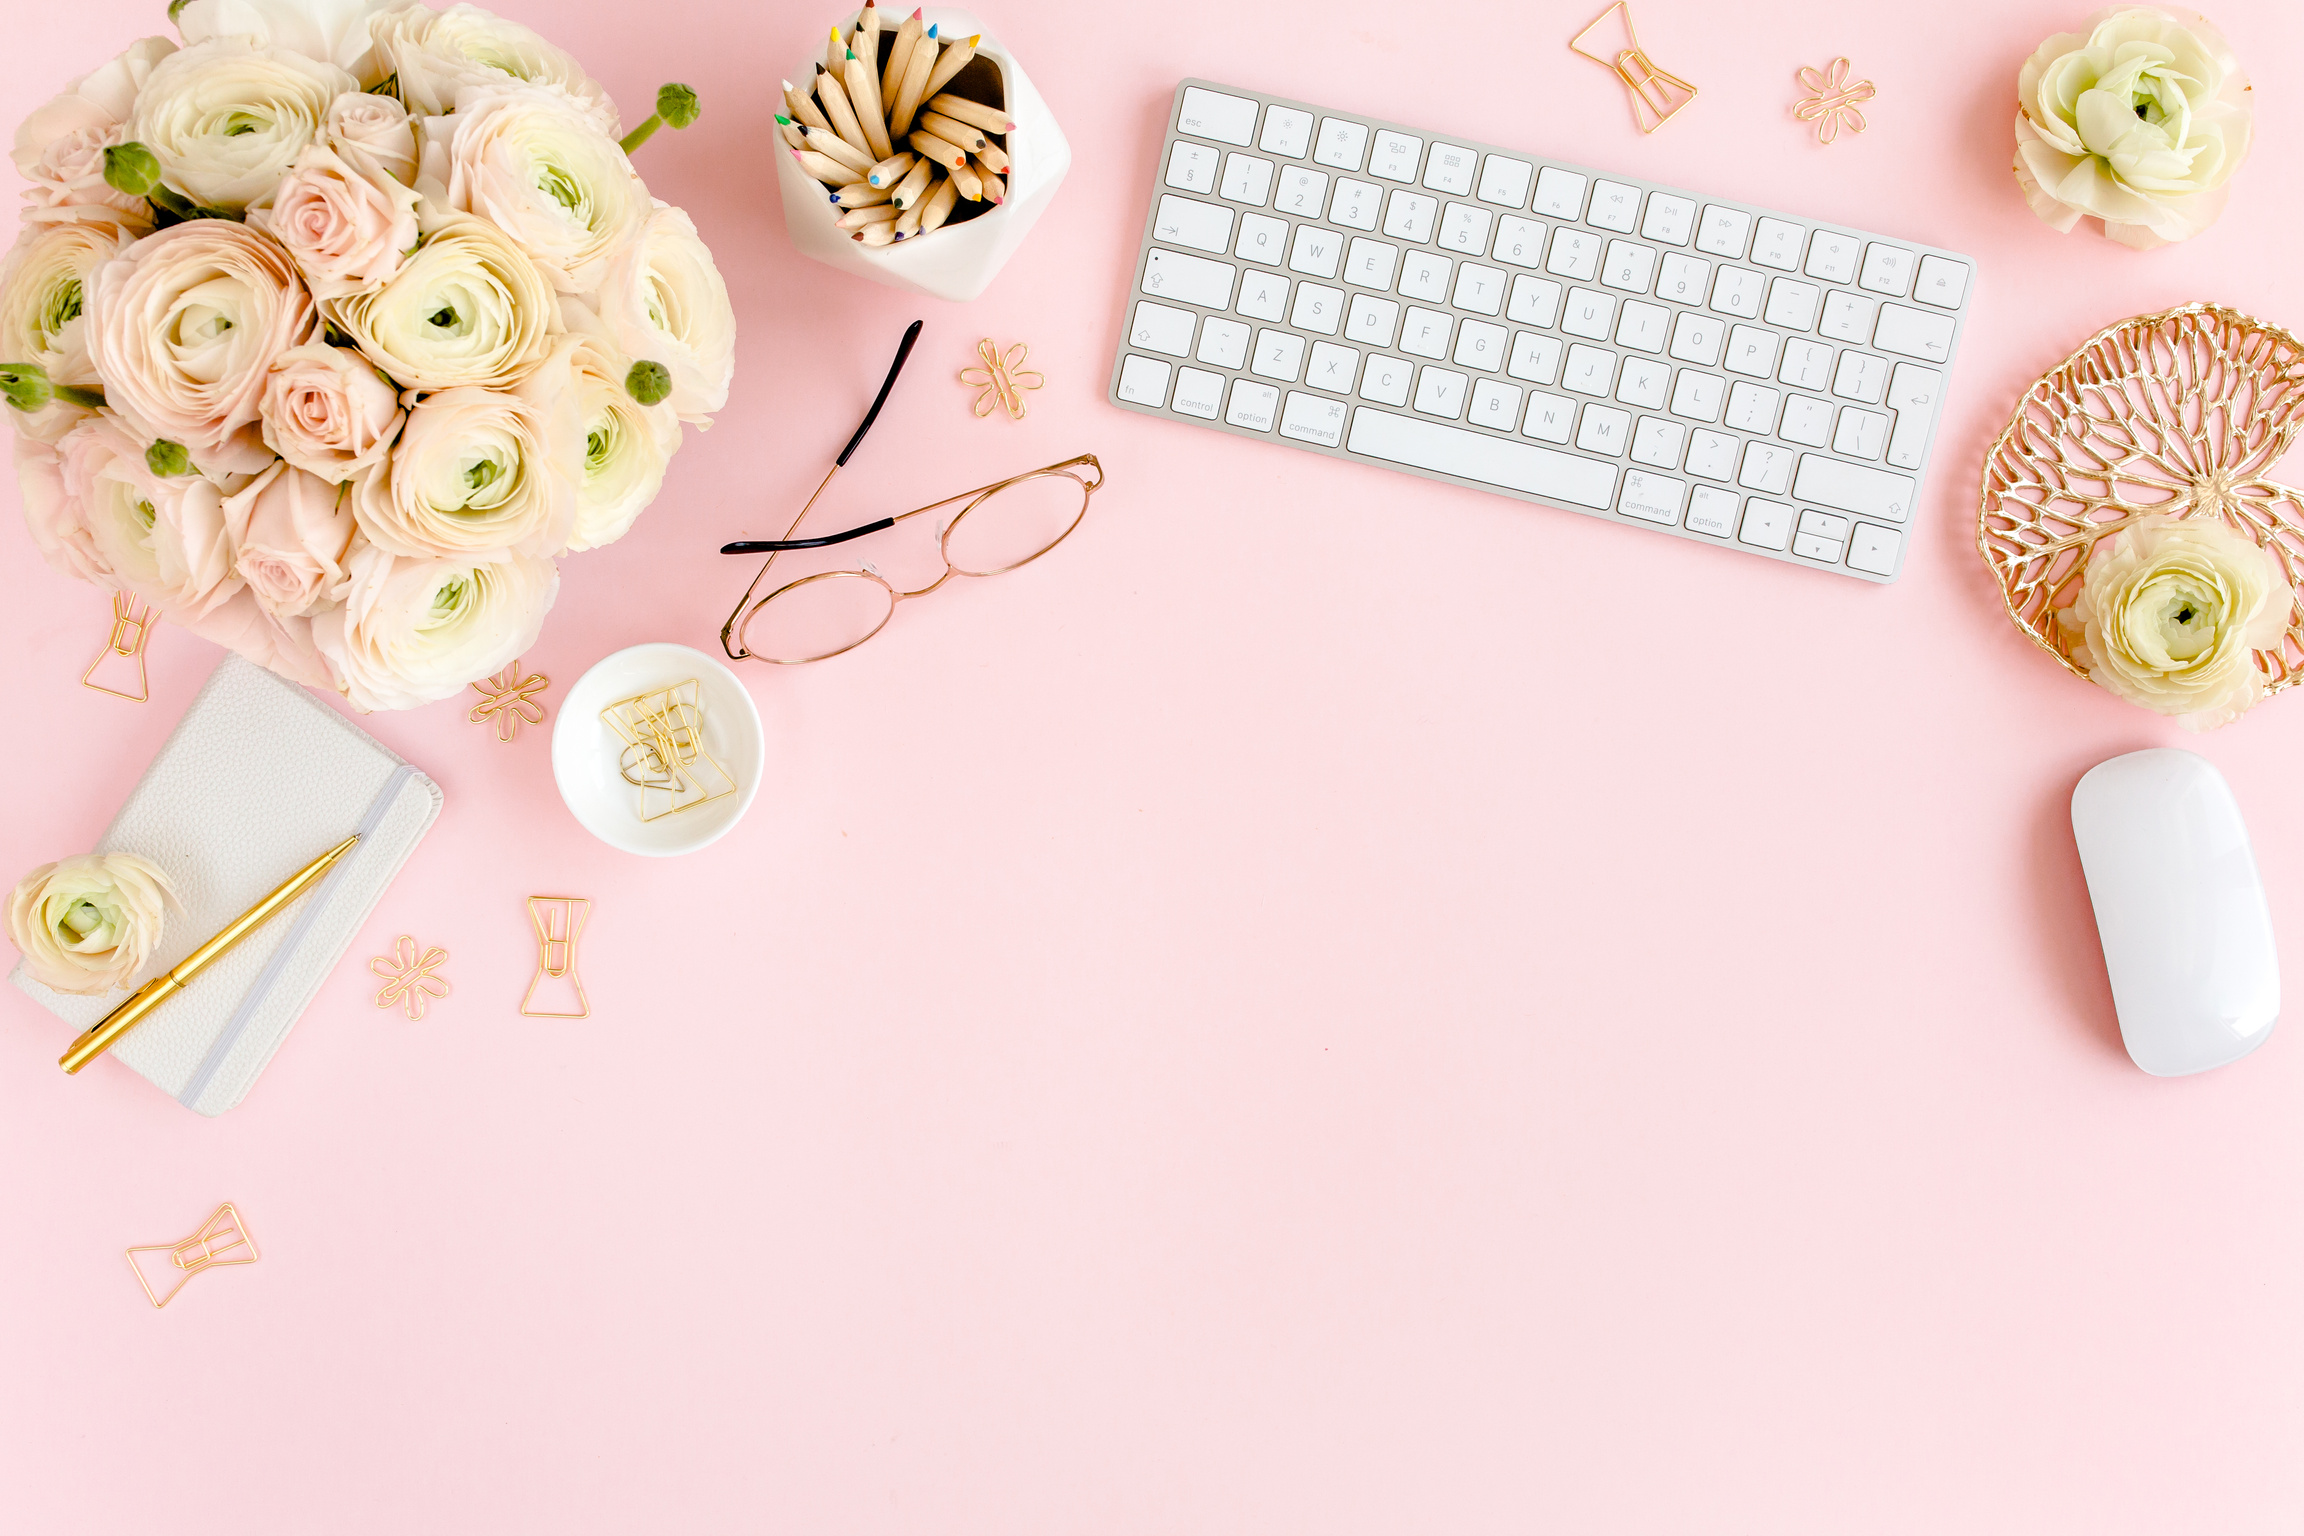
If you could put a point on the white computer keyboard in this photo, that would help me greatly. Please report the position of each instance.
(1649, 355)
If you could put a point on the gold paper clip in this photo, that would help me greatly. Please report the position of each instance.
(511, 699)
(222, 1239)
(1657, 94)
(1834, 101)
(132, 625)
(559, 924)
(408, 978)
(1004, 379)
(664, 755)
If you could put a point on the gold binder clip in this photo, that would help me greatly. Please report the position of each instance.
(1657, 94)
(1834, 100)
(222, 1239)
(664, 756)
(559, 924)
(132, 623)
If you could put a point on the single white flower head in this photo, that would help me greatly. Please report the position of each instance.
(528, 161)
(227, 118)
(329, 31)
(435, 54)
(44, 295)
(414, 630)
(479, 474)
(627, 445)
(89, 924)
(469, 307)
(664, 302)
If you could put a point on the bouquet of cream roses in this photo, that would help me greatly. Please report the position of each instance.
(329, 330)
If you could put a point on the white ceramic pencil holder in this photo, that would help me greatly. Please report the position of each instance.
(958, 261)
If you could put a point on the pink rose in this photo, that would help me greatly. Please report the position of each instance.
(373, 134)
(292, 533)
(348, 232)
(60, 148)
(183, 330)
(164, 539)
(56, 518)
(329, 412)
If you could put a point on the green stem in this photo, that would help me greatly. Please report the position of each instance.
(643, 133)
(86, 399)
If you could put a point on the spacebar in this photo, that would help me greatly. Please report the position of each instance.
(1489, 460)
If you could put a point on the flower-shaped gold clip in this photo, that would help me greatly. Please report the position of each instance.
(510, 701)
(408, 978)
(1003, 379)
(1834, 99)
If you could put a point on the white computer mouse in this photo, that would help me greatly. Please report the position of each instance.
(2187, 937)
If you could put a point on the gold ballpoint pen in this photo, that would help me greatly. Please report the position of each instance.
(160, 988)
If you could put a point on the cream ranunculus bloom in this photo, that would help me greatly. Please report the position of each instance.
(663, 302)
(435, 54)
(183, 330)
(55, 517)
(291, 534)
(349, 232)
(373, 134)
(329, 412)
(60, 148)
(226, 118)
(627, 445)
(412, 630)
(164, 539)
(89, 924)
(480, 474)
(469, 307)
(44, 295)
(526, 159)
(2171, 613)
(2139, 122)
(331, 31)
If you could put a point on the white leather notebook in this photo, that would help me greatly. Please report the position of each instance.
(257, 780)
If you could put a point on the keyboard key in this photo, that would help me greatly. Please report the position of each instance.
(1202, 226)
(1860, 376)
(1643, 327)
(1409, 215)
(1887, 269)
(1505, 182)
(1559, 194)
(1449, 168)
(1752, 407)
(1262, 239)
(1440, 392)
(1518, 241)
(1144, 380)
(1574, 254)
(1387, 379)
(1315, 252)
(1317, 309)
(1246, 180)
(1311, 419)
(1278, 356)
(1912, 393)
(1589, 313)
(1809, 547)
(1252, 405)
(1192, 167)
(1470, 455)
(1357, 204)
(1604, 429)
(1792, 303)
(1629, 266)
(1370, 321)
(1696, 338)
(1824, 525)
(1286, 132)
(1495, 405)
(1189, 279)
(1213, 115)
(1590, 371)
(1807, 364)
(1199, 393)
(1712, 511)
(1767, 524)
(1853, 488)
(1642, 381)
(1426, 332)
(1535, 301)
(1668, 219)
(1157, 328)
(1806, 420)
(1342, 143)
(1551, 418)
(1371, 264)
(1263, 296)
(1303, 192)
(1683, 278)
(1614, 206)
(1739, 291)
(1723, 231)
(1766, 468)
(1752, 351)
(1535, 358)
(1653, 498)
(1224, 343)
(1914, 333)
(1777, 244)
(1697, 395)
(1832, 256)
(1465, 228)
(1848, 317)
(1711, 454)
(1820, 536)
(1943, 282)
(1656, 442)
(1479, 345)
(1861, 433)
(1874, 549)
(1424, 275)
(1479, 289)
(1395, 156)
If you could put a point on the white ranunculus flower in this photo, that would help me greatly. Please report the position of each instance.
(2139, 122)
(329, 412)
(164, 539)
(44, 295)
(627, 445)
(480, 474)
(373, 134)
(349, 232)
(663, 302)
(469, 307)
(435, 54)
(527, 160)
(331, 31)
(60, 148)
(183, 329)
(2171, 613)
(89, 924)
(226, 118)
(413, 630)
(55, 517)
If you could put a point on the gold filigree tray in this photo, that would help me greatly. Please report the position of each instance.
(2184, 414)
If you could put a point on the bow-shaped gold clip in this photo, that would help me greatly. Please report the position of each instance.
(408, 978)
(1834, 101)
(1003, 379)
(221, 1240)
(510, 701)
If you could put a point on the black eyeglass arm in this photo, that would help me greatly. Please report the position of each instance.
(771, 546)
(902, 352)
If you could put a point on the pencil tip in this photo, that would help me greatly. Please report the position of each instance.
(931, 31)
(851, 53)
(979, 37)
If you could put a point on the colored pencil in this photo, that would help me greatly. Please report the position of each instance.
(790, 132)
(994, 157)
(878, 213)
(834, 51)
(954, 60)
(938, 208)
(951, 130)
(914, 90)
(965, 178)
(837, 148)
(893, 169)
(803, 110)
(827, 170)
(995, 186)
(909, 191)
(899, 60)
(943, 151)
(864, 96)
(834, 95)
(860, 194)
(975, 113)
(877, 234)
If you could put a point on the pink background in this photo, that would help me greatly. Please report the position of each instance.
(1331, 1004)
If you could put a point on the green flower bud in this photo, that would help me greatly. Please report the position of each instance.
(677, 105)
(131, 168)
(26, 386)
(648, 383)
(167, 459)
(176, 8)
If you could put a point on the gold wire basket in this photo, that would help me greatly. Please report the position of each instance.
(2180, 414)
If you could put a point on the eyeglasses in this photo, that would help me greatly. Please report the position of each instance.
(1001, 526)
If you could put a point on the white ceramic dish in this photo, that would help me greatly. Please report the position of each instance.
(584, 750)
